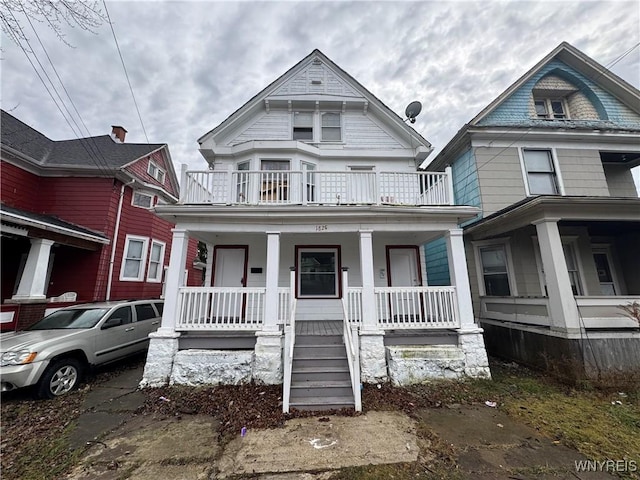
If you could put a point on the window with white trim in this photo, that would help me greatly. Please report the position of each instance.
(551, 108)
(156, 257)
(303, 126)
(540, 172)
(134, 259)
(331, 127)
(318, 273)
(494, 268)
(155, 171)
(574, 268)
(142, 200)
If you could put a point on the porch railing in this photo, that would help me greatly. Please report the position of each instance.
(289, 345)
(289, 187)
(352, 345)
(416, 307)
(220, 308)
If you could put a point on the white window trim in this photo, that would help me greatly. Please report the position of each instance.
(136, 192)
(143, 260)
(547, 101)
(565, 240)
(341, 127)
(556, 168)
(313, 126)
(160, 263)
(160, 171)
(506, 243)
(618, 282)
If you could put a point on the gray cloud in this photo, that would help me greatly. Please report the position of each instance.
(192, 64)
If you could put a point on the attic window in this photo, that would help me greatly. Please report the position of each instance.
(551, 108)
(303, 126)
(156, 172)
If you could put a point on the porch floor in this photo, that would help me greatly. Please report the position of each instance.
(318, 327)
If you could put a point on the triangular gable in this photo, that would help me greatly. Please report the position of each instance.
(334, 82)
(160, 157)
(617, 101)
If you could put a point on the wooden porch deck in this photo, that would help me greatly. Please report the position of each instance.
(319, 327)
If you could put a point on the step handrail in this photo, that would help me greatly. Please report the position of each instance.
(350, 335)
(289, 344)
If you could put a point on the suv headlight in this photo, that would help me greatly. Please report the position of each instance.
(21, 357)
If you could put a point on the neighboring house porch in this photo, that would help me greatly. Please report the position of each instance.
(290, 268)
(554, 274)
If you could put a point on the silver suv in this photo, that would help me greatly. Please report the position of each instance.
(56, 352)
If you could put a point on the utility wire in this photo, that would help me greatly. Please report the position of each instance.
(125, 70)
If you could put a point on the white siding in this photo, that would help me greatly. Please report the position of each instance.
(361, 131)
(275, 125)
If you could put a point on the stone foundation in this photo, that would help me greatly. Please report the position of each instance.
(211, 367)
(157, 368)
(267, 361)
(373, 364)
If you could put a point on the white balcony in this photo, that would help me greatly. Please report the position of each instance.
(313, 187)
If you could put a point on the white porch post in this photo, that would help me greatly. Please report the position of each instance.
(34, 276)
(470, 340)
(460, 277)
(373, 362)
(271, 294)
(562, 304)
(267, 365)
(163, 344)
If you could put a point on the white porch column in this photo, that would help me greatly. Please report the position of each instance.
(208, 273)
(163, 344)
(369, 320)
(373, 362)
(563, 311)
(34, 276)
(267, 365)
(272, 274)
(460, 277)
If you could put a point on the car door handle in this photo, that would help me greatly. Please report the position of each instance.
(156, 322)
(129, 329)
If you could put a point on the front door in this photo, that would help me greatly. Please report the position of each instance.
(603, 268)
(404, 272)
(230, 271)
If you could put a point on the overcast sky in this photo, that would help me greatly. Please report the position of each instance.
(191, 64)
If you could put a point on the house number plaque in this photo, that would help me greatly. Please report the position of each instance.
(321, 228)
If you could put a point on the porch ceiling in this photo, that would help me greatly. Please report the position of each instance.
(600, 212)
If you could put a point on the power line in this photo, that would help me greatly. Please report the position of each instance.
(125, 70)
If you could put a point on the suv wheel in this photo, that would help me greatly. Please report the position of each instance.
(60, 378)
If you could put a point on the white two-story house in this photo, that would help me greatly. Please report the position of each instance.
(314, 214)
(554, 258)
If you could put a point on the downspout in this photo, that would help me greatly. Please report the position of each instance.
(116, 230)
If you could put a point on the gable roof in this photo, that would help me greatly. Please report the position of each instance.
(356, 87)
(584, 64)
(566, 53)
(91, 153)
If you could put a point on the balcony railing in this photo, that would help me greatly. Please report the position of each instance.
(287, 187)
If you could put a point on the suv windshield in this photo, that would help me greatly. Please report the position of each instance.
(76, 318)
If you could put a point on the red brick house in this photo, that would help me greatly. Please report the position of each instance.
(77, 220)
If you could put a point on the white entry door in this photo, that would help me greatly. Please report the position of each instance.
(229, 271)
(403, 272)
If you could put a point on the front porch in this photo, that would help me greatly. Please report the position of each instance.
(254, 318)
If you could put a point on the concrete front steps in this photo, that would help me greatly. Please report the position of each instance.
(320, 378)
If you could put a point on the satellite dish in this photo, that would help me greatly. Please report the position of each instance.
(412, 111)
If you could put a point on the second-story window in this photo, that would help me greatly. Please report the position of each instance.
(155, 171)
(540, 172)
(331, 127)
(303, 126)
(142, 200)
(551, 108)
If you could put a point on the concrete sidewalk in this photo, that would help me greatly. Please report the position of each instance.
(486, 443)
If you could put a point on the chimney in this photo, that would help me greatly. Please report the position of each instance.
(118, 133)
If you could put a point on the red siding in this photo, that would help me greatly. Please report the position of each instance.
(140, 170)
(19, 188)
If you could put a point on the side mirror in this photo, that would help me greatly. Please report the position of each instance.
(112, 322)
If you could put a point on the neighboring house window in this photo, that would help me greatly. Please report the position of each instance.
(135, 252)
(540, 172)
(142, 200)
(155, 261)
(303, 126)
(331, 128)
(495, 272)
(156, 172)
(551, 108)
